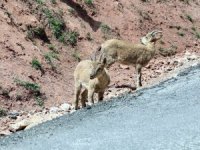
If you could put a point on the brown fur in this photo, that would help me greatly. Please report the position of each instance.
(130, 54)
(93, 78)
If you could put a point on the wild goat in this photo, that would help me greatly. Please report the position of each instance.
(130, 54)
(94, 78)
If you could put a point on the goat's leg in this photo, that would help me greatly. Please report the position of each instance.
(138, 75)
(91, 96)
(100, 96)
(84, 95)
(77, 93)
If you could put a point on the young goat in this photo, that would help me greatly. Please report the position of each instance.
(93, 77)
(130, 54)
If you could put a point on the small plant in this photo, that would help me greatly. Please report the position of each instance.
(197, 35)
(53, 1)
(34, 87)
(40, 2)
(5, 93)
(71, 11)
(194, 29)
(76, 55)
(53, 48)
(105, 28)
(189, 18)
(181, 34)
(39, 101)
(162, 42)
(36, 64)
(88, 37)
(185, 1)
(70, 37)
(37, 32)
(56, 24)
(49, 57)
(89, 2)
(3, 112)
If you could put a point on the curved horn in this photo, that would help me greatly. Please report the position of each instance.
(155, 32)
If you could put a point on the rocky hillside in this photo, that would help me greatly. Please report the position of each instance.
(41, 41)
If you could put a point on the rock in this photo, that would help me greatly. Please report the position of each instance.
(19, 125)
(13, 115)
(123, 66)
(65, 107)
(4, 133)
(53, 109)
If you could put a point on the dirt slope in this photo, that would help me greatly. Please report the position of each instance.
(28, 32)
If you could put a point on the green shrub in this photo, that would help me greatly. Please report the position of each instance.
(37, 32)
(56, 24)
(53, 1)
(3, 112)
(89, 2)
(69, 38)
(49, 57)
(76, 55)
(40, 2)
(39, 101)
(181, 34)
(36, 64)
(34, 87)
(189, 18)
(105, 28)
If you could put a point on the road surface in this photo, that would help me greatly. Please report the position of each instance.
(163, 117)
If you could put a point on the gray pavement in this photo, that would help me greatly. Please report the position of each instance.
(163, 117)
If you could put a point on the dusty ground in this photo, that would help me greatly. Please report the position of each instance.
(124, 19)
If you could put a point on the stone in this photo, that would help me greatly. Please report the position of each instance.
(53, 109)
(65, 107)
(124, 66)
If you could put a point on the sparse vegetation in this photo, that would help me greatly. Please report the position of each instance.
(76, 55)
(50, 57)
(189, 17)
(53, 48)
(195, 32)
(185, 1)
(181, 34)
(3, 112)
(40, 2)
(56, 24)
(105, 28)
(39, 101)
(69, 38)
(36, 64)
(37, 32)
(34, 87)
(88, 37)
(89, 2)
(5, 93)
(53, 1)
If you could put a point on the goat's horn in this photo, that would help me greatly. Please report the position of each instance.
(155, 32)
(100, 57)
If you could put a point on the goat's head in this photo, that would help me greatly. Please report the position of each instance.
(97, 68)
(151, 37)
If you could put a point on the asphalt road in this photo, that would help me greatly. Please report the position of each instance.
(163, 117)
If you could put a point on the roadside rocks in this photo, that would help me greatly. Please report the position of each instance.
(16, 121)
